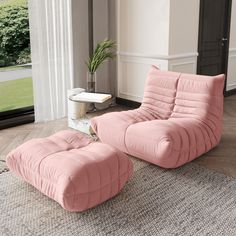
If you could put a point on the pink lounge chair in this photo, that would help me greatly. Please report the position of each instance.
(180, 119)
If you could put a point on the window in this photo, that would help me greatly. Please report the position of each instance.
(16, 90)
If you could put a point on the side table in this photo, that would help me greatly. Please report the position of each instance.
(78, 103)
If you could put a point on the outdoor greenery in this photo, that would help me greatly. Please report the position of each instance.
(14, 33)
(16, 93)
(14, 50)
(104, 51)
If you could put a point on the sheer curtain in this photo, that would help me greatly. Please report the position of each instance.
(52, 56)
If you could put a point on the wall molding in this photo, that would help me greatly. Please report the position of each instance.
(130, 95)
(232, 52)
(192, 63)
(145, 63)
(231, 86)
(159, 57)
(181, 63)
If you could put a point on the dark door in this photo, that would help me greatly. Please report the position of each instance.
(213, 44)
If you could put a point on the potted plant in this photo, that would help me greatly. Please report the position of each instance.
(103, 51)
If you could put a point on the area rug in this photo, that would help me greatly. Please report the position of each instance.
(3, 166)
(190, 200)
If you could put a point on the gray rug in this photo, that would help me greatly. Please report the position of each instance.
(187, 201)
(3, 167)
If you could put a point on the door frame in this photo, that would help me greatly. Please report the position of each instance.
(227, 28)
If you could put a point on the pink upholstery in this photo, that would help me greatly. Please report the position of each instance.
(180, 119)
(159, 94)
(158, 103)
(69, 168)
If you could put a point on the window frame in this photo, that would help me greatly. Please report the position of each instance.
(16, 117)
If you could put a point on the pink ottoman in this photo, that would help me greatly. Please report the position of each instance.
(71, 169)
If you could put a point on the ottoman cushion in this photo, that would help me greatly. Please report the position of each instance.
(71, 169)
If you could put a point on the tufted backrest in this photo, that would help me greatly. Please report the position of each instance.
(198, 96)
(201, 97)
(160, 92)
(177, 95)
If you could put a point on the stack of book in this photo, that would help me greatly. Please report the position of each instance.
(91, 97)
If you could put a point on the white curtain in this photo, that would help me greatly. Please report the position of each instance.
(52, 56)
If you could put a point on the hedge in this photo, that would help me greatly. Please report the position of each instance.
(14, 33)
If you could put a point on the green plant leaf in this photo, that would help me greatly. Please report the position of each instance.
(103, 51)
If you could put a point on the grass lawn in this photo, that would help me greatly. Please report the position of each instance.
(16, 94)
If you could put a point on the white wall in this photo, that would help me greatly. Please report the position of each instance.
(153, 32)
(231, 79)
(142, 35)
(142, 24)
(183, 35)
(101, 28)
(184, 20)
(162, 32)
(112, 32)
(80, 41)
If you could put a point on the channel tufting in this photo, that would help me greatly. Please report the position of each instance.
(71, 169)
(159, 96)
(180, 119)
